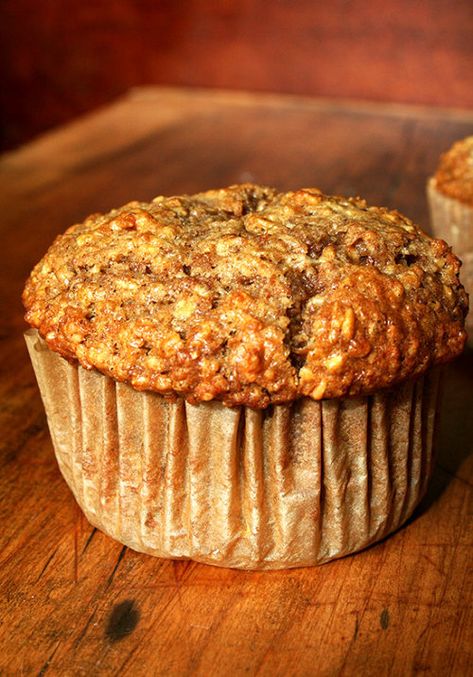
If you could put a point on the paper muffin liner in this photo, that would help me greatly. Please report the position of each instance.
(452, 221)
(293, 485)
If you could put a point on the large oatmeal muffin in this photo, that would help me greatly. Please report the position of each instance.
(450, 195)
(245, 377)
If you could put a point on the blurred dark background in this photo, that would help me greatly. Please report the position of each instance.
(61, 58)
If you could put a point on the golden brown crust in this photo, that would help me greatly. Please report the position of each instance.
(250, 296)
(454, 176)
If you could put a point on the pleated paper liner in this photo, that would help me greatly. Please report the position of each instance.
(452, 221)
(291, 486)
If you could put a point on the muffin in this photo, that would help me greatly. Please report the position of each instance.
(450, 195)
(244, 377)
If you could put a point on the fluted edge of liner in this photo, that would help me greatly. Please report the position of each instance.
(293, 485)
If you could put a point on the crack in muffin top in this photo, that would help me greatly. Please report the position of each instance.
(250, 296)
(454, 175)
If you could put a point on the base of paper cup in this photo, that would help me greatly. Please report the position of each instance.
(294, 485)
(452, 221)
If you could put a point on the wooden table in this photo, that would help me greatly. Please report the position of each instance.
(73, 602)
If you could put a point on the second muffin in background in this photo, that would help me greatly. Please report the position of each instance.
(450, 195)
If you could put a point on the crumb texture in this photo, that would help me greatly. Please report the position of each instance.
(454, 176)
(250, 296)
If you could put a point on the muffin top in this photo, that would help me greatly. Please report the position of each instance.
(250, 296)
(454, 176)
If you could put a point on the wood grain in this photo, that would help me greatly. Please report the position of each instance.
(73, 602)
(64, 58)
